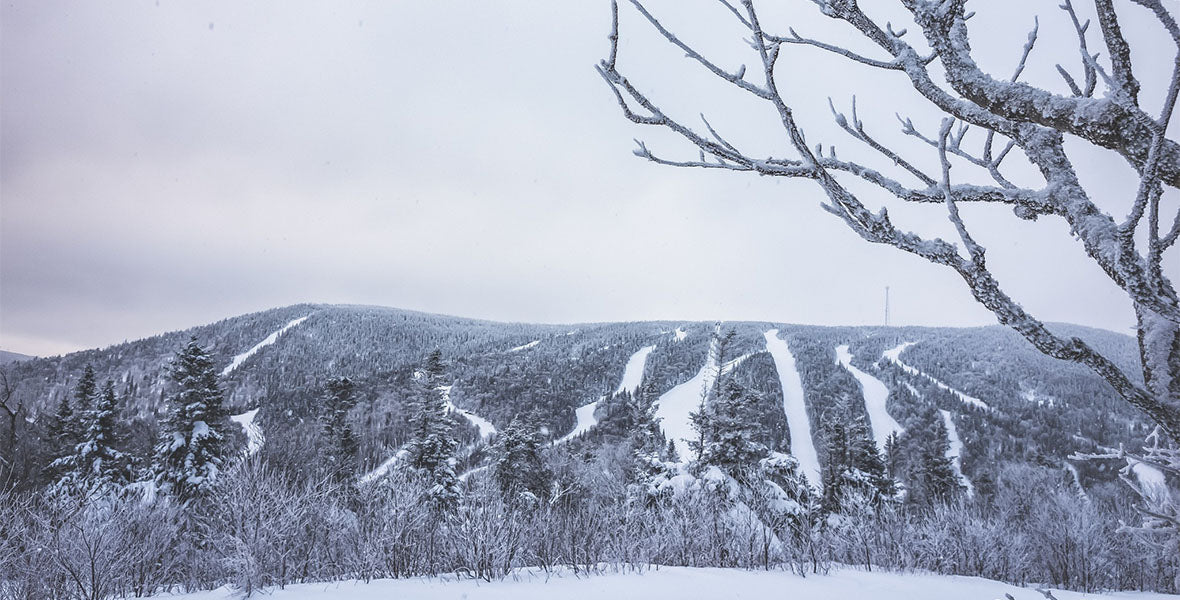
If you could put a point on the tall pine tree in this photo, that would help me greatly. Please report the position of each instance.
(67, 427)
(193, 448)
(432, 445)
(518, 467)
(727, 427)
(99, 462)
(339, 442)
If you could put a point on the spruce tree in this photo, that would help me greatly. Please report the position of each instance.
(192, 449)
(63, 432)
(86, 393)
(99, 462)
(518, 467)
(340, 445)
(727, 428)
(68, 427)
(854, 470)
(937, 481)
(432, 445)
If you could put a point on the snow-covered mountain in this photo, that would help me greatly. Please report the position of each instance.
(981, 379)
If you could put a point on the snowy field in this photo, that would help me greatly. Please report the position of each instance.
(673, 583)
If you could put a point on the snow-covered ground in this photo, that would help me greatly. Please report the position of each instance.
(632, 377)
(254, 437)
(525, 346)
(1151, 480)
(673, 583)
(384, 467)
(270, 339)
(679, 334)
(895, 356)
(802, 447)
(486, 428)
(875, 394)
(955, 451)
(675, 406)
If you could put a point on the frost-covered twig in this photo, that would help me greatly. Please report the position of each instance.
(1029, 118)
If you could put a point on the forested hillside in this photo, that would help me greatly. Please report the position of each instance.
(801, 445)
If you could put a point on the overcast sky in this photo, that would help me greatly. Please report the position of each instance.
(166, 164)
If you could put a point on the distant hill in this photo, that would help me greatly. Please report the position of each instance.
(1040, 410)
(7, 357)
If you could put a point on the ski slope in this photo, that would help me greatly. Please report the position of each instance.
(384, 467)
(669, 583)
(955, 451)
(525, 346)
(875, 395)
(254, 437)
(270, 339)
(486, 428)
(794, 406)
(675, 406)
(895, 356)
(632, 377)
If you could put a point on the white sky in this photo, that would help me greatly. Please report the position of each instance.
(166, 164)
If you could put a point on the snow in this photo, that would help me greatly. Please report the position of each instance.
(270, 339)
(1151, 480)
(470, 472)
(633, 372)
(955, 451)
(794, 406)
(525, 346)
(675, 406)
(668, 583)
(486, 428)
(632, 377)
(895, 356)
(384, 467)
(254, 437)
(1034, 397)
(875, 394)
(679, 334)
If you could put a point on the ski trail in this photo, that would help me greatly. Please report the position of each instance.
(955, 451)
(384, 467)
(468, 473)
(633, 372)
(875, 395)
(270, 339)
(525, 346)
(895, 356)
(486, 428)
(794, 406)
(254, 437)
(632, 377)
(675, 406)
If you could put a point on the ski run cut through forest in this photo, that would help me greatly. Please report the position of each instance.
(305, 451)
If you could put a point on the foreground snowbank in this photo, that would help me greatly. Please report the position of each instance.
(680, 583)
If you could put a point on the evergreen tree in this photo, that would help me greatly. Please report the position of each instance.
(86, 393)
(68, 427)
(432, 445)
(936, 479)
(63, 432)
(99, 462)
(193, 447)
(727, 427)
(518, 466)
(340, 445)
(854, 470)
